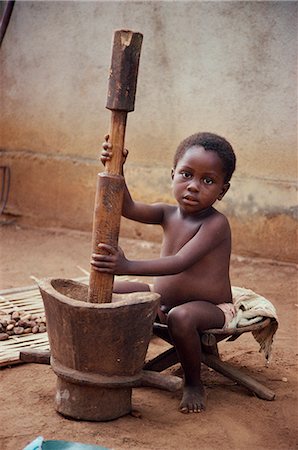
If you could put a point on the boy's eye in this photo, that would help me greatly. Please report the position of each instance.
(208, 180)
(186, 174)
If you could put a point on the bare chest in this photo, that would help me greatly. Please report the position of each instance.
(176, 234)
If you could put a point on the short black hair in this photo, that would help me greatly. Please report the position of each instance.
(210, 142)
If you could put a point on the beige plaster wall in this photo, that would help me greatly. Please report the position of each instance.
(226, 67)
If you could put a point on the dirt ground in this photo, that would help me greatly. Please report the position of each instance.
(234, 419)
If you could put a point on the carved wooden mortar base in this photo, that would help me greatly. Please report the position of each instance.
(97, 349)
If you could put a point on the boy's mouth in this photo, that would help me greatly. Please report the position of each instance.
(190, 199)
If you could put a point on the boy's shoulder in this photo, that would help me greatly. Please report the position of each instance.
(166, 207)
(217, 220)
(213, 217)
(217, 215)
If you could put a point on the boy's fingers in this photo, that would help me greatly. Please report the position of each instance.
(97, 256)
(105, 270)
(106, 137)
(102, 264)
(106, 154)
(107, 256)
(108, 248)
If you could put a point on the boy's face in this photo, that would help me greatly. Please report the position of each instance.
(198, 180)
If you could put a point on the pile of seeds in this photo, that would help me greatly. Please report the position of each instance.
(20, 322)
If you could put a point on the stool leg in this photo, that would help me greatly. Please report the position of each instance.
(209, 344)
(163, 361)
(236, 375)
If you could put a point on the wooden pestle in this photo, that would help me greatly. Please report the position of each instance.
(110, 183)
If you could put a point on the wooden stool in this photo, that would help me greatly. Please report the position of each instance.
(210, 355)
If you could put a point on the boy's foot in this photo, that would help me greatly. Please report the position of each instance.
(193, 399)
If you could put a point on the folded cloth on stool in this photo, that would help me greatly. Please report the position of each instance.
(252, 308)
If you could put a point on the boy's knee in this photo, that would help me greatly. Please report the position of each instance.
(178, 320)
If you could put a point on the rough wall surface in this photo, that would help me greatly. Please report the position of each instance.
(225, 67)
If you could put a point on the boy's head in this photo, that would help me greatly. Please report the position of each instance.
(210, 142)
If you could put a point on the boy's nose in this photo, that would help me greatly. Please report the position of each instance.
(193, 186)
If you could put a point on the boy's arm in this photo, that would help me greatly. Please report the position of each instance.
(204, 241)
(141, 212)
(137, 211)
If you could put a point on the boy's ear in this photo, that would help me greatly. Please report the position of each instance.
(225, 189)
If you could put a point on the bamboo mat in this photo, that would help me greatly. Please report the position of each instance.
(26, 299)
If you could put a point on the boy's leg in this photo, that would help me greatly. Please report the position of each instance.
(185, 322)
(126, 287)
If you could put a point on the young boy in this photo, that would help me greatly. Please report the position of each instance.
(192, 273)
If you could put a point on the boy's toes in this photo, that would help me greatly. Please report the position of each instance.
(184, 410)
(190, 409)
(193, 400)
(197, 409)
